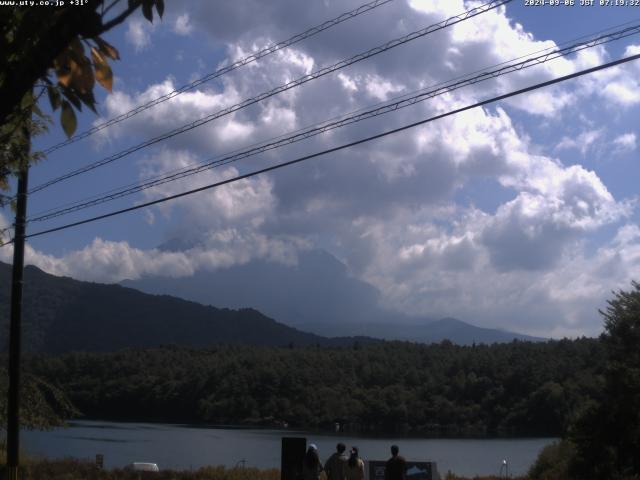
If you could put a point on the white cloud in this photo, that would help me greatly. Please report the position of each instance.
(622, 93)
(247, 201)
(625, 142)
(175, 113)
(582, 142)
(182, 25)
(393, 207)
(421, 266)
(619, 85)
(108, 261)
(139, 33)
(380, 89)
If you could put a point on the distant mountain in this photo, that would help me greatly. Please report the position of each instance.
(62, 314)
(427, 331)
(317, 290)
(431, 331)
(466, 334)
(318, 295)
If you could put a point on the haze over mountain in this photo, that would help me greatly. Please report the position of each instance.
(61, 314)
(316, 294)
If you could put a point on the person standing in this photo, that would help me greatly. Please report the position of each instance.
(336, 465)
(355, 466)
(396, 467)
(311, 467)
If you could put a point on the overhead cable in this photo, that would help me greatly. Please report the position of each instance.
(580, 39)
(282, 88)
(222, 71)
(338, 148)
(303, 134)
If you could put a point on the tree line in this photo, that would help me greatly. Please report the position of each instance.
(519, 388)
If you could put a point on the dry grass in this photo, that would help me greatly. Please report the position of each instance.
(71, 469)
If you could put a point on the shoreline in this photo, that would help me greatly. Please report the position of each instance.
(370, 434)
(183, 447)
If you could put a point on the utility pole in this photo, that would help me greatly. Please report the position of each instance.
(15, 327)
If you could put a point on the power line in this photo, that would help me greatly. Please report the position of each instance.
(222, 71)
(282, 88)
(338, 148)
(580, 39)
(331, 125)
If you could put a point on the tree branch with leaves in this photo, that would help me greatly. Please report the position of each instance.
(59, 52)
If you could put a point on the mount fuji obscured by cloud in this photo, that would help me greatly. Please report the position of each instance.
(315, 294)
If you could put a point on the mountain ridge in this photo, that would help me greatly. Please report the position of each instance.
(317, 294)
(61, 314)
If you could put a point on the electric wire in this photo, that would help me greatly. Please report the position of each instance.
(222, 71)
(282, 88)
(399, 97)
(285, 139)
(335, 149)
(331, 125)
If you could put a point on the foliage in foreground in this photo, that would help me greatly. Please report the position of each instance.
(43, 405)
(553, 462)
(607, 435)
(603, 443)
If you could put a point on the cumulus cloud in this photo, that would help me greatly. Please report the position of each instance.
(625, 142)
(421, 266)
(246, 202)
(617, 85)
(139, 34)
(392, 208)
(182, 25)
(583, 142)
(109, 261)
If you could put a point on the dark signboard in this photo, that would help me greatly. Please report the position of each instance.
(293, 450)
(415, 470)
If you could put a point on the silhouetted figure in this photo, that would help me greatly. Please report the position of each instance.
(355, 466)
(396, 467)
(336, 465)
(311, 467)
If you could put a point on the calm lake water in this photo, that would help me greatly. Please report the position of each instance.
(184, 447)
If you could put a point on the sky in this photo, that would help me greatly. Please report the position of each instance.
(522, 214)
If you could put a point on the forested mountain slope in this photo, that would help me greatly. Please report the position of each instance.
(62, 314)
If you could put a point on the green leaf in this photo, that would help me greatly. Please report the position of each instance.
(72, 97)
(68, 119)
(89, 100)
(27, 100)
(147, 10)
(37, 111)
(54, 97)
(160, 7)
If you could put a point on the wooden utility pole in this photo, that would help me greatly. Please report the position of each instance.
(15, 327)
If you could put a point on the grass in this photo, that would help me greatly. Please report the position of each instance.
(451, 476)
(72, 469)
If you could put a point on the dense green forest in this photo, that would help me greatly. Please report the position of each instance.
(519, 388)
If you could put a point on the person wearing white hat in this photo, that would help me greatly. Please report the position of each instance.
(311, 467)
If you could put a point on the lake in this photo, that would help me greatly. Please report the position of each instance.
(184, 447)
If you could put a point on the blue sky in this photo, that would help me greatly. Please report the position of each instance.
(521, 215)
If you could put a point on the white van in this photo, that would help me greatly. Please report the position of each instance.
(143, 467)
